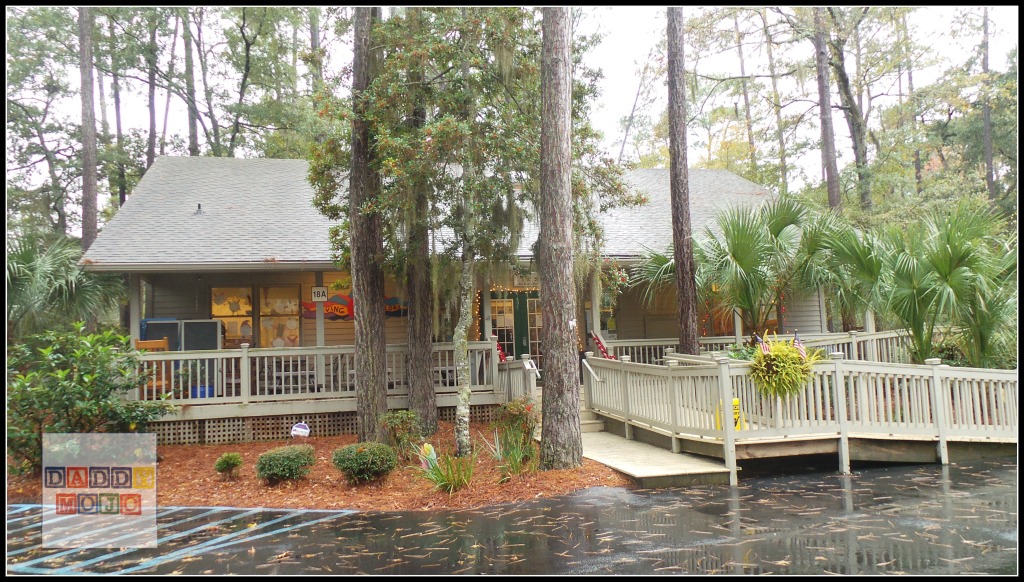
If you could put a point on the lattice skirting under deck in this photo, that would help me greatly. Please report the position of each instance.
(267, 428)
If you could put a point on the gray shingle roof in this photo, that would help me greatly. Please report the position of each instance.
(258, 214)
(629, 230)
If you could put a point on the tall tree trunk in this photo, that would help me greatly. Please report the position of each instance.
(213, 133)
(367, 246)
(101, 94)
(170, 74)
(317, 65)
(776, 106)
(122, 182)
(679, 182)
(422, 399)
(463, 446)
(913, 109)
(85, 64)
(561, 442)
(828, 140)
(151, 67)
(853, 112)
(986, 109)
(190, 86)
(243, 86)
(752, 150)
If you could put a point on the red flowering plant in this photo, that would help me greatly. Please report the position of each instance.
(614, 279)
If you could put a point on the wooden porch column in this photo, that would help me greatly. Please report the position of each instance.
(318, 280)
(485, 307)
(737, 326)
(595, 304)
(134, 305)
(869, 328)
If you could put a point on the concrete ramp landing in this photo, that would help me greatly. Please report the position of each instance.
(651, 466)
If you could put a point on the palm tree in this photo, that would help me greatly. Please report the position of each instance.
(47, 289)
(950, 270)
(755, 258)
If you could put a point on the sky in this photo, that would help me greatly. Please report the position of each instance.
(632, 31)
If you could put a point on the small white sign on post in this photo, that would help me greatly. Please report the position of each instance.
(319, 294)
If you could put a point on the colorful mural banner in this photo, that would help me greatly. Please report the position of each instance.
(336, 307)
(341, 307)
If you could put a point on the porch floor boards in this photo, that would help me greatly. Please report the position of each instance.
(651, 466)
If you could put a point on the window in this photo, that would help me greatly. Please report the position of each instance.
(279, 317)
(233, 307)
(275, 323)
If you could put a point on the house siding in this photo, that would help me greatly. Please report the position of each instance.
(186, 296)
(804, 315)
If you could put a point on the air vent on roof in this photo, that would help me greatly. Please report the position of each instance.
(199, 210)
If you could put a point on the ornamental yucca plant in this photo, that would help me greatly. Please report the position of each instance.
(448, 473)
(782, 371)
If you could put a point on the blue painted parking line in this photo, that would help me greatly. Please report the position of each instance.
(167, 511)
(218, 543)
(128, 550)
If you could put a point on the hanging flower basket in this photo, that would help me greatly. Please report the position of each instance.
(783, 371)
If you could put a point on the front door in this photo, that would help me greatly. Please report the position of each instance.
(515, 319)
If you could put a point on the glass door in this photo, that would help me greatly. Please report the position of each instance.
(503, 325)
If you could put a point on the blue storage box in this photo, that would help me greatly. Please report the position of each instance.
(202, 392)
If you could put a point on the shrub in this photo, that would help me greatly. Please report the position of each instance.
(364, 462)
(518, 416)
(403, 433)
(227, 465)
(72, 382)
(782, 371)
(513, 453)
(446, 472)
(285, 463)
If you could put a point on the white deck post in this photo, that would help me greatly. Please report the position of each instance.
(844, 436)
(595, 304)
(725, 395)
(588, 385)
(939, 407)
(244, 371)
(853, 346)
(673, 383)
(625, 398)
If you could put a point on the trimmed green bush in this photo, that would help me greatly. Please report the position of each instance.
(365, 462)
(285, 463)
(402, 431)
(227, 465)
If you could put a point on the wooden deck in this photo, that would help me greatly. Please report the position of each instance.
(856, 410)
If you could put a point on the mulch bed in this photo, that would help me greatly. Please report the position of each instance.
(185, 477)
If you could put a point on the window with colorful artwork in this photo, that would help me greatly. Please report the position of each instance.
(272, 323)
(279, 317)
(233, 307)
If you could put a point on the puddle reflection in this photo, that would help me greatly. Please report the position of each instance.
(919, 520)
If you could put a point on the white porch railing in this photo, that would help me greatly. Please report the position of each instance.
(310, 373)
(842, 398)
(883, 346)
(518, 379)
